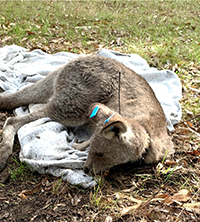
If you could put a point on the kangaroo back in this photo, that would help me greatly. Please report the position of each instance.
(91, 79)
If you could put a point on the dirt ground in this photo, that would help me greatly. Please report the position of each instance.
(34, 197)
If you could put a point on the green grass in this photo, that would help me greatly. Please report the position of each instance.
(19, 171)
(162, 32)
(96, 194)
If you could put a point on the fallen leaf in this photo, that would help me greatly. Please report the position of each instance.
(192, 205)
(169, 163)
(182, 131)
(132, 199)
(180, 196)
(22, 196)
(30, 32)
(190, 124)
(160, 197)
(192, 88)
(127, 210)
(59, 205)
(4, 27)
(30, 192)
(189, 113)
(185, 163)
(194, 152)
(57, 40)
(6, 39)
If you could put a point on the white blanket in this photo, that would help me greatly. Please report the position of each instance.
(46, 145)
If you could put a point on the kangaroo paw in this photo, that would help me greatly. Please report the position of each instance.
(81, 146)
(5, 152)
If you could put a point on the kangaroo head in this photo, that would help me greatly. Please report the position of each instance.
(116, 140)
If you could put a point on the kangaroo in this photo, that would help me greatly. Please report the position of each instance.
(123, 114)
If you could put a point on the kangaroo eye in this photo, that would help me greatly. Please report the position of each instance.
(99, 154)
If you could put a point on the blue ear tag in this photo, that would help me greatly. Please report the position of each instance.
(94, 112)
(106, 121)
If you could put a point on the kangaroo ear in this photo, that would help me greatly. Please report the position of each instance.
(98, 111)
(114, 129)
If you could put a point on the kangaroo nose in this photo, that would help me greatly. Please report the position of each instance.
(86, 170)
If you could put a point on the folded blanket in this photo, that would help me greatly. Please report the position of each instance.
(46, 145)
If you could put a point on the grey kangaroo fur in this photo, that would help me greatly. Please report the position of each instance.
(70, 95)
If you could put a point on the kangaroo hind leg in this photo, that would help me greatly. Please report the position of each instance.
(10, 129)
(39, 92)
